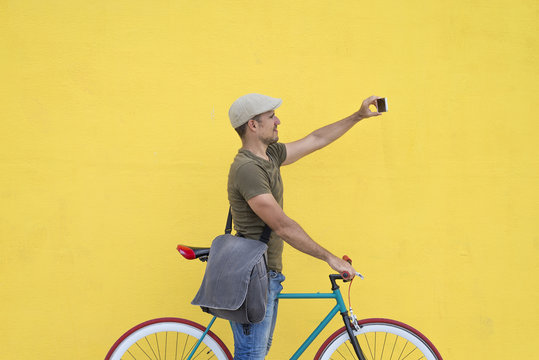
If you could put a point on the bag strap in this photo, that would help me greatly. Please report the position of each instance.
(265, 234)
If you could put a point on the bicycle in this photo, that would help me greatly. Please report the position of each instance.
(367, 339)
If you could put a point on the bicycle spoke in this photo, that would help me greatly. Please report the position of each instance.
(395, 344)
(191, 349)
(200, 352)
(353, 353)
(151, 348)
(385, 340)
(368, 344)
(383, 347)
(143, 350)
(338, 352)
(159, 343)
(349, 350)
(409, 354)
(158, 351)
(375, 346)
(131, 354)
(176, 353)
(185, 346)
(400, 356)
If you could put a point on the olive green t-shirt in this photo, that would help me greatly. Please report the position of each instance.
(250, 176)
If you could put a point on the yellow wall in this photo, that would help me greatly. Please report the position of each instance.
(115, 145)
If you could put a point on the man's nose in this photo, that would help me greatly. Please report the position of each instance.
(276, 121)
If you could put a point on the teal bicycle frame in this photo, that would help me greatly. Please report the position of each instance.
(340, 307)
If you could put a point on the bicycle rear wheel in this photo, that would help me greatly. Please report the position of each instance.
(380, 339)
(168, 338)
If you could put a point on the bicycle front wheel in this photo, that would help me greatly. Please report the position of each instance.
(380, 339)
(168, 338)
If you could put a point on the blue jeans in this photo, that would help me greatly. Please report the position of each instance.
(253, 341)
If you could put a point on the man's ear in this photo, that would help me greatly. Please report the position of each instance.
(252, 124)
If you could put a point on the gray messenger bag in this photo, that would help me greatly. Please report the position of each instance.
(235, 283)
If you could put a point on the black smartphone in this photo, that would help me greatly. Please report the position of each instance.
(382, 104)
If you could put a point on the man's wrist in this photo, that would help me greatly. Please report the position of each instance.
(357, 117)
(330, 258)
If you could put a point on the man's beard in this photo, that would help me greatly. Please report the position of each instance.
(270, 140)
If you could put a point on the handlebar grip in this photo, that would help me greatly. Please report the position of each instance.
(345, 275)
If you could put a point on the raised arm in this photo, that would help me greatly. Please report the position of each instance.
(327, 134)
(270, 212)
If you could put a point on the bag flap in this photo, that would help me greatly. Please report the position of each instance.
(228, 272)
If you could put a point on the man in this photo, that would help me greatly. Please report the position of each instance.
(255, 193)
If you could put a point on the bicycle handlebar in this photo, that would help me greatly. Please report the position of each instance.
(345, 275)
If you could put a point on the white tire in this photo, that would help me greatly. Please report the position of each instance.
(380, 339)
(167, 338)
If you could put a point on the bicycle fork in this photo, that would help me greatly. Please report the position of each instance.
(347, 319)
(350, 331)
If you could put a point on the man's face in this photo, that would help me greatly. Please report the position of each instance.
(268, 122)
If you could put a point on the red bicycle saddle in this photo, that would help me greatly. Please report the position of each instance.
(191, 252)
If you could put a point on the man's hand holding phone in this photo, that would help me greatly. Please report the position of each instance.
(365, 112)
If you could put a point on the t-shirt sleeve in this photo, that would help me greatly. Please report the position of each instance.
(252, 180)
(278, 150)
